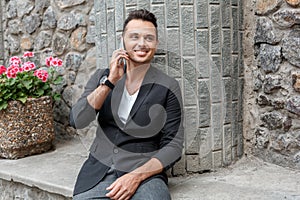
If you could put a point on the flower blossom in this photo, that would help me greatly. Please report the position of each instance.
(41, 74)
(28, 54)
(28, 66)
(50, 61)
(12, 71)
(2, 69)
(15, 60)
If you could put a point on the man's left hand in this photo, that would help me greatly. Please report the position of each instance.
(124, 187)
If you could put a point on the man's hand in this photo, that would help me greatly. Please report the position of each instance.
(117, 67)
(124, 187)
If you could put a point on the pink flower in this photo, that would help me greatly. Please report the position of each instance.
(15, 60)
(28, 54)
(12, 71)
(2, 69)
(59, 62)
(41, 74)
(48, 61)
(28, 66)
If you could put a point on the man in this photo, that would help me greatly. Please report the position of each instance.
(139, 112)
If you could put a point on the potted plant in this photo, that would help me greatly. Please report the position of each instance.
(26, 96)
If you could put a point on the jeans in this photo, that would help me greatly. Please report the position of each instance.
(154, 189)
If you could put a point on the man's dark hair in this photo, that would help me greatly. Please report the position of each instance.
(142, 14)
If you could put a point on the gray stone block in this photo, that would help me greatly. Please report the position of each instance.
(203, 57)
(203, 40)
(290, 47)
(217, 85)
(235, 121)
(227, 144)
(111, 36)
(241, 83)
(142, 4)
(269, 57)
(192, 163)
(217, 126)
(226, 13)
(159, 11)
(241, 15)
(265, 31)
(204, 103)
(190, 130)
(189, 71)
(190, 94)
(241, 54)
(119, 15)
(235, 77)
(172, 13)
(187, 25)
(226, 54)
(205, 137)
(215, 31)
(202, 14)
(217, 159)
(228, 100)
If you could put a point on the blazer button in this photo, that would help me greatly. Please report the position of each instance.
(116, 150)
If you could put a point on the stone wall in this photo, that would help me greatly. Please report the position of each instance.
(201, 46)
(60, 28)
(12, 191)
(272, 101)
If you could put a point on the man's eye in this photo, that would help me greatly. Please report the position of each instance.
(134, 37)
(149, 38)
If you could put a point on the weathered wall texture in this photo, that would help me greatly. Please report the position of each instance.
(272, 101)
(201, 46)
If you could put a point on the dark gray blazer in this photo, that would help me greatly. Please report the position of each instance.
(154, 128)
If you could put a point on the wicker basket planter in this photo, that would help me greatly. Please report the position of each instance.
(26, 129)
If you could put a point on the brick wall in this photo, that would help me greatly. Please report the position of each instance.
(201, 46)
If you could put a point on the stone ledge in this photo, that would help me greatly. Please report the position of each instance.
(54, 171)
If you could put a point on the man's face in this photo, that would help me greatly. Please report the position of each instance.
(140, 41)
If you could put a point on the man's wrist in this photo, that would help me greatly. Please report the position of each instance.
(105, 81)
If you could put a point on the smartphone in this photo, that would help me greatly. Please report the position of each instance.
(122, 60)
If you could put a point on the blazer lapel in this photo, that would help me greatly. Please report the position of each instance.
(147, 84)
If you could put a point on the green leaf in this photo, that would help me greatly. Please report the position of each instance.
(40, 92)
(3, 105)
(58, 80)
(27, 84)
(56, 97)
(22, 99)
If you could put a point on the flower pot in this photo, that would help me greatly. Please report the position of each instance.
(26, 129)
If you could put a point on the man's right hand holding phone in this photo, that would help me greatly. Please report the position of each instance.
(117, 64)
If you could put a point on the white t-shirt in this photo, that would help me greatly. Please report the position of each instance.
(126, 104)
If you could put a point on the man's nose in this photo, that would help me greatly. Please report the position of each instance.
(141, 41)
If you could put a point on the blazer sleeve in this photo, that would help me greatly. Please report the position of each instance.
(171, 143)
(82, 113)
